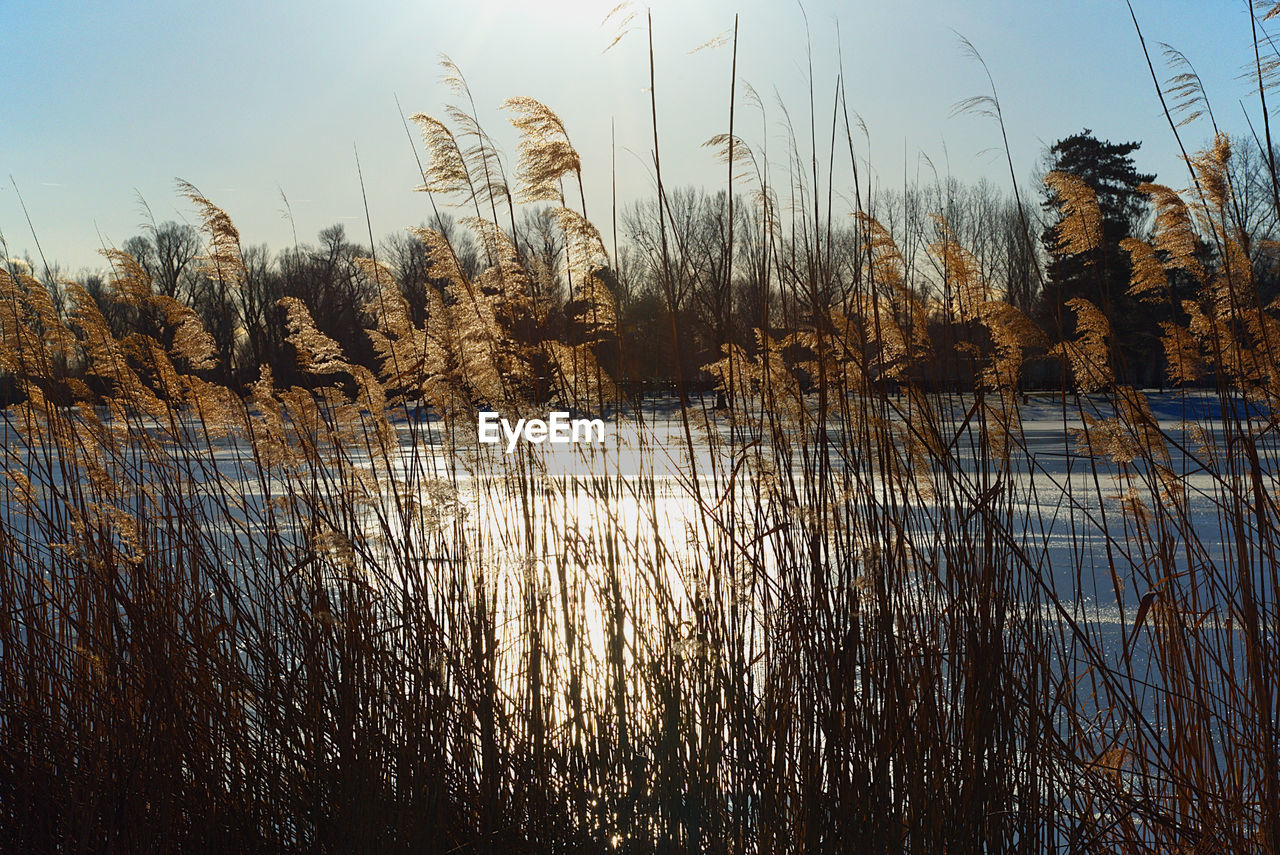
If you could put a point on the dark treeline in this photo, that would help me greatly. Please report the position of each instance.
(702, 274)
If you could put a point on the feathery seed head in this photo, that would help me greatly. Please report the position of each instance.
(1080, 229)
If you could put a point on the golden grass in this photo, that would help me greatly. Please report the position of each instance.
(295, 619)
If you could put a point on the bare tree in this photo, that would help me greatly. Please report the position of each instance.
(542, 242)
(263, 336)
(167, 253)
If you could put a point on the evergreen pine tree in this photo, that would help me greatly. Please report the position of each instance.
(1102, 274)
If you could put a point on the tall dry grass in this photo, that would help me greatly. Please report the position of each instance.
(869, 613)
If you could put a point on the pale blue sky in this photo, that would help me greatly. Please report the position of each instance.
(106, 103)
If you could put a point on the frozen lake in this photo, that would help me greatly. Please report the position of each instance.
(715, 510)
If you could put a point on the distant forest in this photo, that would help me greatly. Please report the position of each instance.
(734, 269)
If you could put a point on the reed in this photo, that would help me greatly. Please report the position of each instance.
(861, 604)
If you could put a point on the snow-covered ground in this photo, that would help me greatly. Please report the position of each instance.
(646, 499)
